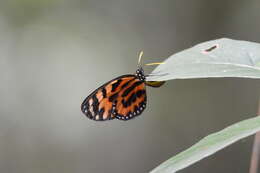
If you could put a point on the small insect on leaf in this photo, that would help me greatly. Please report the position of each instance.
(210, 49)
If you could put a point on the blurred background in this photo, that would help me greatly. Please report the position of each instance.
(53, 53)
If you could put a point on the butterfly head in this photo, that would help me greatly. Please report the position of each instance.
(140, 74)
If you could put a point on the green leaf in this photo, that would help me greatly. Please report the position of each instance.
(217, 58)
(209, 145)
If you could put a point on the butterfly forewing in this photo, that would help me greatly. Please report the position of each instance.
(120, 97)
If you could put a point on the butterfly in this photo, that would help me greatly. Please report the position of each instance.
(122, 98)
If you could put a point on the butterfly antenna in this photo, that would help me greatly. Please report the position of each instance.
(140, 57)
(149, 64)
(158, 74)
(155, 63)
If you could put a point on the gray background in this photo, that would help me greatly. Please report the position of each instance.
(53, 53)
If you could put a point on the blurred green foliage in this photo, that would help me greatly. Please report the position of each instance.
(22, 12)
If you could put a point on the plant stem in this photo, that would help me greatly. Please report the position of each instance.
(256, 149)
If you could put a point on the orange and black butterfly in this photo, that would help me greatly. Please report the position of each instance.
(122, 98)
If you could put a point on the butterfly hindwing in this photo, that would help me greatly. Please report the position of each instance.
(131, 101)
